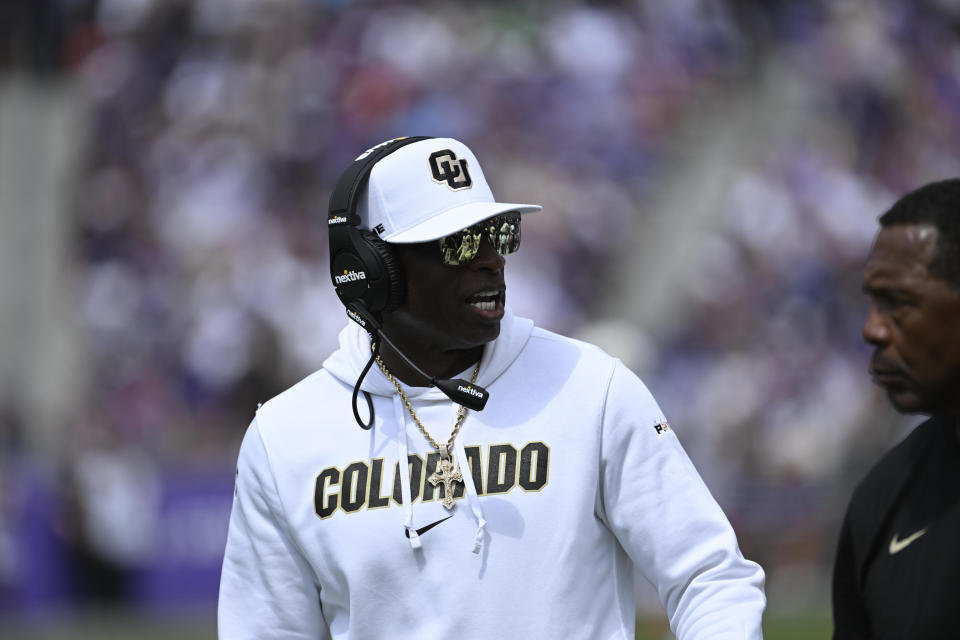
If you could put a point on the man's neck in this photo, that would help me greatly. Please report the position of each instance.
(439, 364)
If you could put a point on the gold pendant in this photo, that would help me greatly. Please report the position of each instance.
(447, 474)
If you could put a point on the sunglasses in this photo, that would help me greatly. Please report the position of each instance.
(502, 231)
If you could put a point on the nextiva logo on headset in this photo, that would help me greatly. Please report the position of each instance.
(362, 266)
(349, 276)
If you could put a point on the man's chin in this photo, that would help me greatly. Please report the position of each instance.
(477, 334)
(489, 332)
(908, 401)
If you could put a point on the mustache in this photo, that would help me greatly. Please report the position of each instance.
(879, 363)
(876, 359)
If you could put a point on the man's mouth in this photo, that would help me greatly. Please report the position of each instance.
(887, 376)
(485, 300)
(884, 377)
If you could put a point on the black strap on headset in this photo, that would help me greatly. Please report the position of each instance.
(350, 250)
(375, 351)
(344, 237)
(343, 200)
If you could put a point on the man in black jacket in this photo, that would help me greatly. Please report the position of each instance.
(897, 571)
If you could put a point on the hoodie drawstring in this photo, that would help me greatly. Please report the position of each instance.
(403, 457)
(470, 488)
(472, 499)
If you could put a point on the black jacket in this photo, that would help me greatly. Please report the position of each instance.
(898, 559)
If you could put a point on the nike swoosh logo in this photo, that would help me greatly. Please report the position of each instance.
(896, 546)
(423, 530)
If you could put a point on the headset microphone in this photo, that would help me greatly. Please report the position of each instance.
(468, 394)
(369, 278)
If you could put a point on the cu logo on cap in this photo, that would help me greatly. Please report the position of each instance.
(446, 167)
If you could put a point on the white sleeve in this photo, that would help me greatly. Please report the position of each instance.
(655, 502)
(267, 588)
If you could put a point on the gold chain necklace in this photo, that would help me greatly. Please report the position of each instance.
(447, 473)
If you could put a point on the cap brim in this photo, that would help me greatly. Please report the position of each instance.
(456, 219)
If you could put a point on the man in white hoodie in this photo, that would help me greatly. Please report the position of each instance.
(521, 517)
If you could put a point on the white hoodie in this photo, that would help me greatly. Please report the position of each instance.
(572, 476)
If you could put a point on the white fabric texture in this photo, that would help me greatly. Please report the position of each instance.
(572, 484)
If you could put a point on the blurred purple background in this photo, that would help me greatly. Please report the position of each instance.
(711, 173)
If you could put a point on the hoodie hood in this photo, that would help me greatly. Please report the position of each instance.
(348, 361)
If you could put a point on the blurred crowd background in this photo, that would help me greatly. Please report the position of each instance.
(711, 173)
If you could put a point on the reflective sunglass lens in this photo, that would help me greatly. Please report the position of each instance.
(462, 247)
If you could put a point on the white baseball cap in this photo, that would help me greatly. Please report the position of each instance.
(427, 190)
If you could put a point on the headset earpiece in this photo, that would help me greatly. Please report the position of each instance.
(363, 267)
(385, 285)
(393, 276)
(370, 280)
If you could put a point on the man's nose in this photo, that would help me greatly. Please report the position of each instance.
(487, 257)
(875, 328)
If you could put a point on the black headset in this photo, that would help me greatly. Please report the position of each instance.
(364, 269)
(369, 278)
